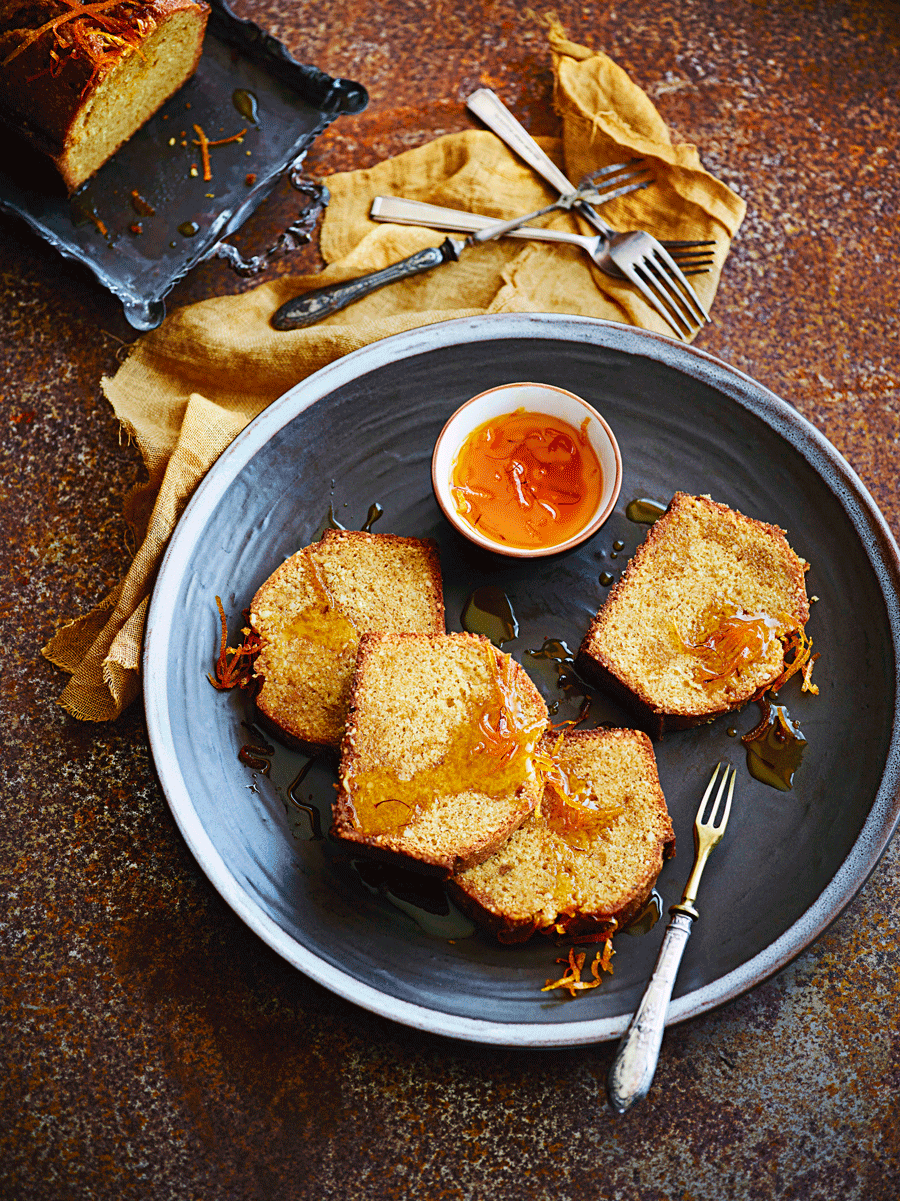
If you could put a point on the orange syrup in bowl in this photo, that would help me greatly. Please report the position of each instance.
(527, 480)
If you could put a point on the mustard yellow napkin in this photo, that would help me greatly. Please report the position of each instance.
(188, 388)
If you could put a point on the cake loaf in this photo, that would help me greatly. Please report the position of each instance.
(77, 80)
(699, 622)
(437, 763)
(577, 868)
(311, 612)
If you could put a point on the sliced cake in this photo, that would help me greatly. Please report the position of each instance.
(438, 759)
(700, 620)
(585, 862)
(311, 613)
(78, 79)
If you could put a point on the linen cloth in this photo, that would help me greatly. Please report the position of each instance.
(190, 386)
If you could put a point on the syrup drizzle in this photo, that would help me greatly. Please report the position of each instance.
(246, 104)
(488, 611)
(322, 622)
(311, 813)
(643, 511)
(775, 747)
(648, 917)
(491, 753)
(729, 641)
(556, 653)
(376, 511)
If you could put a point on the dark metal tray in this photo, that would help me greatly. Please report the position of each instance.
(246, 80)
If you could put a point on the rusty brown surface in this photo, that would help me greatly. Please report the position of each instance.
(151, 1046)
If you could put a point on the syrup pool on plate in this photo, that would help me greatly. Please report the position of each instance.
(527, 480)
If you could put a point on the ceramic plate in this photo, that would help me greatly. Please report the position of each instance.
(360, 433)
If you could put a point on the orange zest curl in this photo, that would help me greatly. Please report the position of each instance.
(114, 34)
(731, 641)
(234, 666)
(204, 143)
(571, 979)
(803, 661)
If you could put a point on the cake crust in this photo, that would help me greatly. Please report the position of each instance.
(51, 84)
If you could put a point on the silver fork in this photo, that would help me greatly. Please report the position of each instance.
(639, 256)
(312, 306)
(416, 212)
(632, 1070)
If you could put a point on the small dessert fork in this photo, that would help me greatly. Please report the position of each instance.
(632, 1070)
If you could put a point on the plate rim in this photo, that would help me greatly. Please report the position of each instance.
(851, 493)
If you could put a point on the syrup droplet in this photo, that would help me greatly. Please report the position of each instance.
(246, 104)
(774, 748)
(644, 511)
(606, 578)
(375, 512)
(731, 732)
(488, 611)
(557, 655)
(424, 900)
(648, 917)
(188, 229)
(331, 522)
(310, 813)
(618, 545)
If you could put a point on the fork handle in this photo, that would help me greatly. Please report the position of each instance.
(416, 212)
(633, 1068)
(322, 302)
(488, 106)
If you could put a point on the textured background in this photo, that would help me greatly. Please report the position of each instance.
(151, 1047)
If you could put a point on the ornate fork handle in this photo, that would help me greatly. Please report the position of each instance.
(632, 1071)
(322, 302)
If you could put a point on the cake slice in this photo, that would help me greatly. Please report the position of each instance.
(311, 612)
(700, 620)
(577, 867)
(437, 762)
(79, 79)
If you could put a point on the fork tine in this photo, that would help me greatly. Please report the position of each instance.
(664, 283)
(650, 296)
(637, 186)
(611, 170)
(711, 820)
(675, 271)
(724, 821)
(669, 245)
(690, 256)
(709, 788)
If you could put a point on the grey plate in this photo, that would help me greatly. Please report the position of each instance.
(361, 431)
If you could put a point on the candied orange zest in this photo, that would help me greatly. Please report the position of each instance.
(234, 666)
(204, 143)
(76, 10)
(571, 979)
(735, 641)
(801, 646)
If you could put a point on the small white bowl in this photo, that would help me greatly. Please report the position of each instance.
(533, 398)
